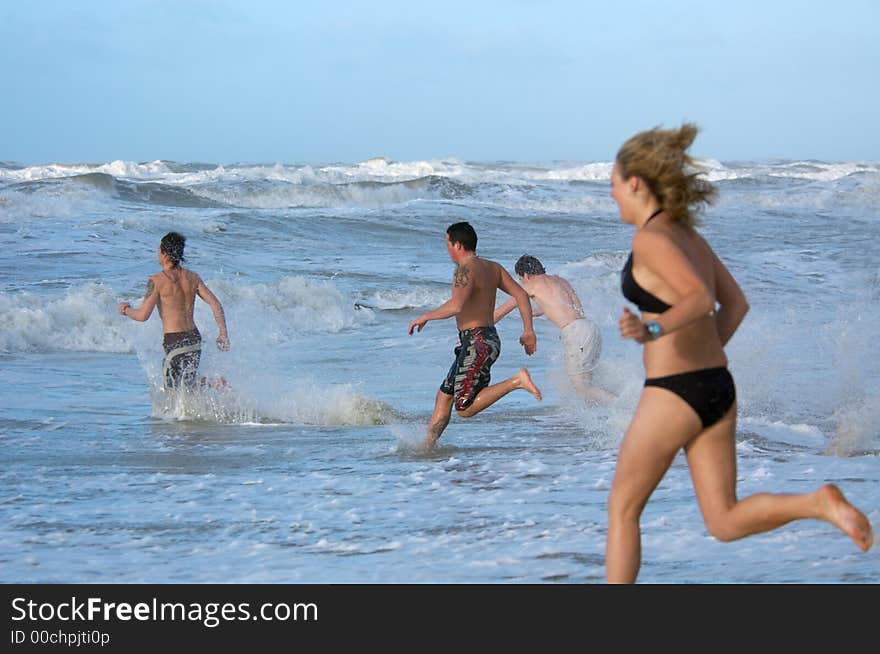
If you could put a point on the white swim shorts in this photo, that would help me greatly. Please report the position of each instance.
(583, 346)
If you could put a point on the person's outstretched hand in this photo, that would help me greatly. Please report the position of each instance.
(529, 341)
(417, 323)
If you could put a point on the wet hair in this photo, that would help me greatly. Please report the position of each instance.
(529, 265)
(172, 246)
(659, 157)
(463, 233)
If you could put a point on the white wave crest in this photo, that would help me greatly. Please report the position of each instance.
(155, 169)
(292, 304)
(321, 405)
(800, 434)
(414, 298)
(858, 426)
(313, 195)
(820, 172)
(85, 319)
(591, 172)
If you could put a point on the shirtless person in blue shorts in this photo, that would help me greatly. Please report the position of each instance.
(474, 287)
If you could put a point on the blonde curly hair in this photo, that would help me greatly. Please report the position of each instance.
(659, 157)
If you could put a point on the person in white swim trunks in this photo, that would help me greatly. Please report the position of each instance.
(557, 300)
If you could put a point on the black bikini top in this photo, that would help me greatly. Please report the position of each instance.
(635, 293)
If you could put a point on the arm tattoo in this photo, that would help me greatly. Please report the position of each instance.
(462, 276)
(150, 288)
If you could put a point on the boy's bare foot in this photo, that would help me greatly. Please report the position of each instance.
(218, 383)
(846, 517)
(525, 381)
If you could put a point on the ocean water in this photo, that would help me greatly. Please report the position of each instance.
(305, 470)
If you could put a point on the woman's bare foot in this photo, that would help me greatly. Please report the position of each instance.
(846, 517)
(525, 381)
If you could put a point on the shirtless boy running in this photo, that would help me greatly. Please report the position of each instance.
(173, 291)
(474, 286)
(580, 337)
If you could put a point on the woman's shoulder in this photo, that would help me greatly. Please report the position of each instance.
(651, 236)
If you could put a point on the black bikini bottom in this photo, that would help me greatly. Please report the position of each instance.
(710, 392)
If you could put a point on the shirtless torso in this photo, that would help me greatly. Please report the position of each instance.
(475, 284)
(173, 291)
(176, 289)
(554, 296)
(485, 277)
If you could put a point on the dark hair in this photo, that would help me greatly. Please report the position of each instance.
(172, 245)
(660, 158)
(529, 265)
(463, 233)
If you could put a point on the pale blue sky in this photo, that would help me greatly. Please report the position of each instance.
(322, 81)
